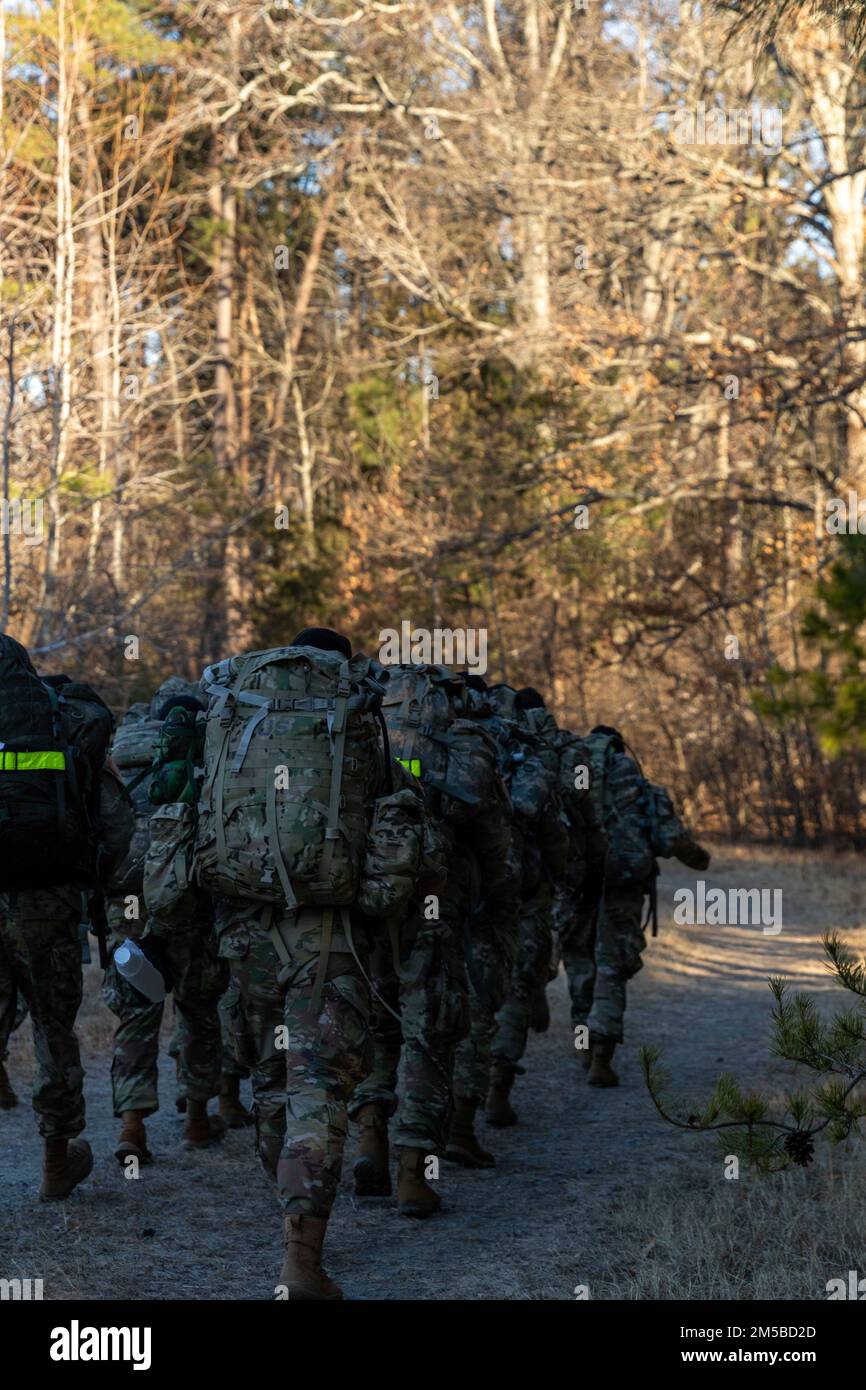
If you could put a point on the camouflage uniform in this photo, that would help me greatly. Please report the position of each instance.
(602, 951)
(200, 978)
(491, 938)
(304, 1062)
(544, 848)
(602, 946)
(40, 958)
(431, 996)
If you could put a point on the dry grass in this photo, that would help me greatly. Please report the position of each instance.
(751, 1238)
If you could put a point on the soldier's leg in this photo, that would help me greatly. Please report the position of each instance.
(528, 977)
(619, 944)
(489, 971)
(434, 1003)
(528, 974)
(200, 978)
(175, 1045)
(577, 939)
(380, 1086)
(232, 1110)
(135, 1051)
(43, 945)
(375, 1099)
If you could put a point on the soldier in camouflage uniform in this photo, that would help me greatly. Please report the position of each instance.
(431, 992)
(40, 960)
(602, 947)
(231, 1108)
(531, 767)
(491, 940)
(199, 978)
(299, 1019)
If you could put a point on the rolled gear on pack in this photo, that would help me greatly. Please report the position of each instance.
(55, 736)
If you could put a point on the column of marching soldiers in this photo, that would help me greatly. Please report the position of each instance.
(334, 866)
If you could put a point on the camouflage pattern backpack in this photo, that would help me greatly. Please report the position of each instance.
(621, 799)
(451, 755)
(529, 771)
(135, 752)
(666, 828)
(292, 764)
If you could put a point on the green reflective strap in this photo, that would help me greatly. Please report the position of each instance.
(413, 765)
(32, 762)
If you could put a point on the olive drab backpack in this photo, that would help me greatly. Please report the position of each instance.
(620, 795)
(451, 755)
(292, 763)
(53, 746)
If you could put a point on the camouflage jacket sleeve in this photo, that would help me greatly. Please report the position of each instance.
(689, 852)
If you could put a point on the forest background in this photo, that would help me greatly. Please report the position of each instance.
(537, 316)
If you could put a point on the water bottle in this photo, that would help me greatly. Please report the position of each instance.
(135, 967)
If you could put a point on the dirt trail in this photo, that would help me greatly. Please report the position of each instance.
(204, 1226)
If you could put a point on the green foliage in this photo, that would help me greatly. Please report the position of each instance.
(833, 696)
(770, 1139)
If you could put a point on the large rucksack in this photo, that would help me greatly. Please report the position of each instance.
(292, 764)
(138, 748)
(451, 755)
(54, 742)
(621, 798)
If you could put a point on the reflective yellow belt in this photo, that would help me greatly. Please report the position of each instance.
(32, 762)
(413, 765)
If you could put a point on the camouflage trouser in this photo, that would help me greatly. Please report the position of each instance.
(229, 1064)
(431, 995)
(489, 972)
(304, 1062)
(200, 978)
(529, 974)
(40, 961)
(600, 959)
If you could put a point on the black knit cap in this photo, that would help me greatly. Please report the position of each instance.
(529, 698)
(325, 639)
(474, 682)
(187, 702)
(9, 647)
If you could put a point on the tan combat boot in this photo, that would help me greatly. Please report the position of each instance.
(8, 1097)
(133, 1139)
(66, 1163)
(539, 1012)
(233, 1112)
(499, 1111)
(414, 1196)
(302, 1277)
(201, 1129)
(601, 1073)
(463, 1146)
(372, 1177)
